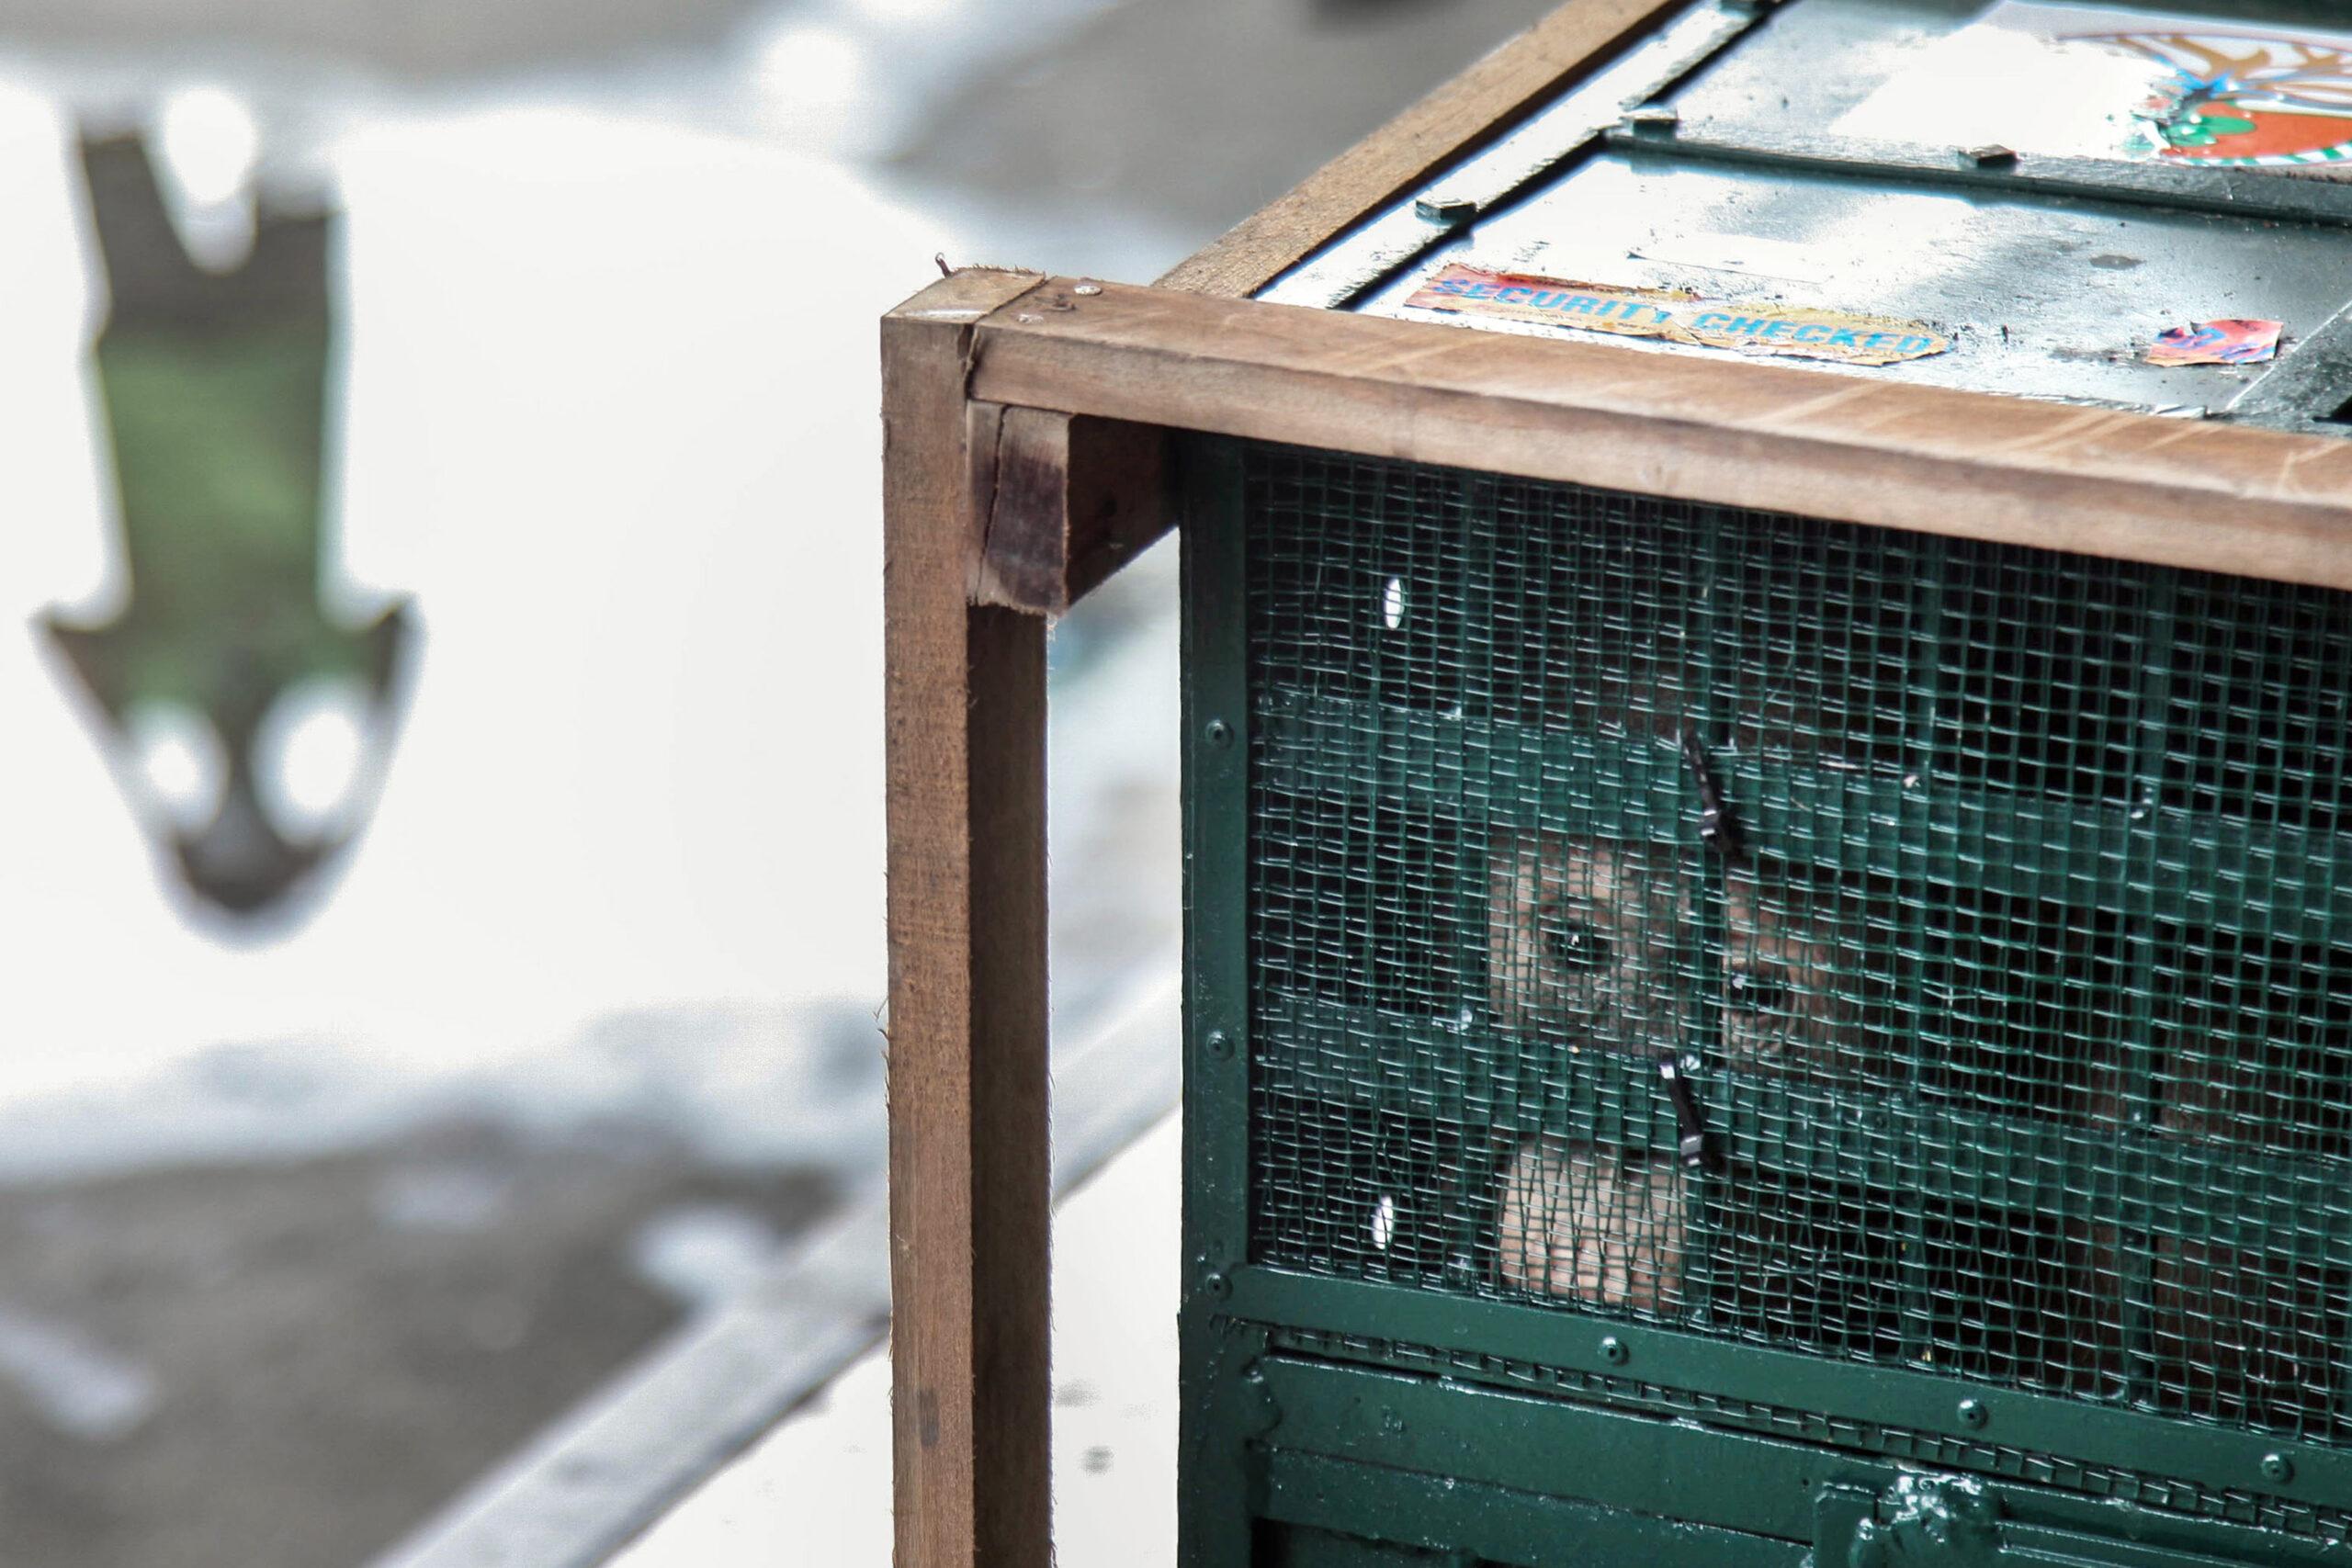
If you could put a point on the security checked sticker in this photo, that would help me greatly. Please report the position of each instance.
(1674, 316)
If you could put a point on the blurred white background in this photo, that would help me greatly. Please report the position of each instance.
(306, 1217)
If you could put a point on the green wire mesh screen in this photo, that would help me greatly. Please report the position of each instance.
(2009, 995)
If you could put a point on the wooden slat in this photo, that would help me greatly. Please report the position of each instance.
(967, 1083)
(1063, 502)
(1466, 112)
(2181, 492)
(1116, 501)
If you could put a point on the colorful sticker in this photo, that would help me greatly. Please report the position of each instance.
(2244, 99)
(1677, 316)
(2216, 342)
(2079, 81)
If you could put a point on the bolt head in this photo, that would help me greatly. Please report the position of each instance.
(1974, 1414)
(1217, 1286)
(1219, 733)
(1613, 1352)
(1220, 1045)
(2278, 1467)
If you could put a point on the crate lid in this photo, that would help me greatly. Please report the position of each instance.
(2147, 207)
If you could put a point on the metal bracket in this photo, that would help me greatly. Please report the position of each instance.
(2246, 194)
(1569, 126)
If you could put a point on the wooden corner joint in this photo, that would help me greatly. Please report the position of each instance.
(1053, 503)
(1058, 502)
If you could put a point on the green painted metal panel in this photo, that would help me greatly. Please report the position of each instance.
(1216, 770)
(1491, 1524)
(1219, 1407)
(1764, 1376)
(1310, 1548)
(1375, 1452)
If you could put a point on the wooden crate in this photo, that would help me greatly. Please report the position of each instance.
(1040, 430)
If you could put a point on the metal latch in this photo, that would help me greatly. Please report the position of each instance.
(1955, 1521)
(1921, 1521)
(1719, 830)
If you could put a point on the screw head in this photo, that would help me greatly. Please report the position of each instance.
(1613, 1352)
(1220, 1045)
(1219, 733)
(1973, 1414)
(1217, 1286)
(2278, 1467)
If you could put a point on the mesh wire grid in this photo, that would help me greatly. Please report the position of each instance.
(2017, 1009)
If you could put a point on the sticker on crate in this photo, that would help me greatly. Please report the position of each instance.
(2216, 342)
(2084, 82)
(1675, 316)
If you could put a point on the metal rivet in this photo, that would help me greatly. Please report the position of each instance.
(1219, 732)
(1088, 288)
(1973, 1414)
(1445, 208)
(1220, 1044)
(2278, 1467)
(1217, 1286)
(1613, 1352)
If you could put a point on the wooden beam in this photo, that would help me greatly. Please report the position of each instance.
(1063, 502)
(1468, 111)
(965, 699)
(1721, 429)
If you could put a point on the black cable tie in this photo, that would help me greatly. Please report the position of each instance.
(1719, 827)
(1697, 1149)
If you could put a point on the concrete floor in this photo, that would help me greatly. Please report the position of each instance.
(277, 1363)
(818, 1490)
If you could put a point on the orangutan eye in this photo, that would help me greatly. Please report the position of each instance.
(1572, 944)
(1763, 987)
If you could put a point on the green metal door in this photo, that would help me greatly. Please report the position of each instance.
(1722, 1037)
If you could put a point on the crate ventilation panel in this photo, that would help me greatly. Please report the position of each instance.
(1909, 951)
